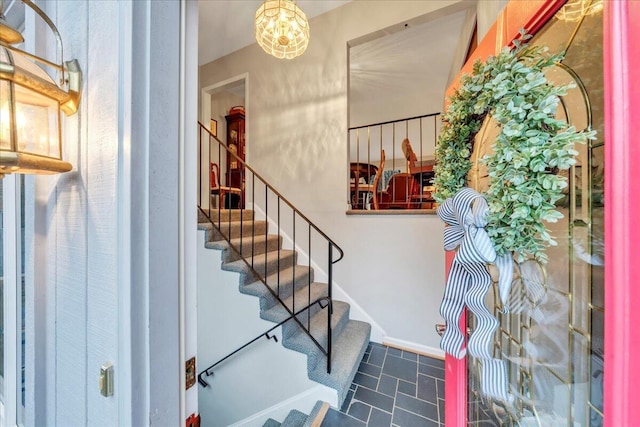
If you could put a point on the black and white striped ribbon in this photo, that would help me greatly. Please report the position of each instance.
(468, 284)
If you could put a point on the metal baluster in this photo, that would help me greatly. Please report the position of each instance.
(293, 294)
(330, 310)
(278, 220)
(253, 217)
(266, 217)
(200, 168)
(309, 282)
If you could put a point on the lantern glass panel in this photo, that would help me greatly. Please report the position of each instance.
(5, 116)
(37, 123)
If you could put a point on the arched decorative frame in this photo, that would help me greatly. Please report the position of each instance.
(621, 22)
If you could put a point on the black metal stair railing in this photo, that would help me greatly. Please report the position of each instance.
(265, 334)
(240, 182)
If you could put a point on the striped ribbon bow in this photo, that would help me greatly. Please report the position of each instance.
(468, 284)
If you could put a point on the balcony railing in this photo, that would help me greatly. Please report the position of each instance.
(409, 147)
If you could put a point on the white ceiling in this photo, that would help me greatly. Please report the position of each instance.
(225, 26)
(391, 69)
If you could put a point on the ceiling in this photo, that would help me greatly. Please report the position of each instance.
(404, 71)
(225, 26)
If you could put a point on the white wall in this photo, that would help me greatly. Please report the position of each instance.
(75, 235)
(394, 265)
(488, 11)
(104, 282)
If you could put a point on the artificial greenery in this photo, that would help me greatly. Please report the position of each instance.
(531, 147)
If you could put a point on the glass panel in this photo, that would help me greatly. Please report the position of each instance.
(552, 341)
(37, 120)
(581, 278)
(5, 115)
(597, 225)
(597, 367)
(1, 295)
(552, 398)
(581, 379)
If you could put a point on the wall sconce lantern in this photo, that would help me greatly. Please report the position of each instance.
(30, 103)
(282, 29)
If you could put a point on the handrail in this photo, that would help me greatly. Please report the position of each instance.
(394, 121)
(236, 177)
(277, 193)
(263, 334)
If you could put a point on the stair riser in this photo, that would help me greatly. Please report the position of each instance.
(273, 244)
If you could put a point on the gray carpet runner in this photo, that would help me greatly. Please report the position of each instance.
(296, 418)
(264, 251)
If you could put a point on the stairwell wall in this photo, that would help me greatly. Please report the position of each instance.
(297, 139)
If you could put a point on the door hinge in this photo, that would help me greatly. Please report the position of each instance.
(190, 373)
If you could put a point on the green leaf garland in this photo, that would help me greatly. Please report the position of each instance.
(531, 147)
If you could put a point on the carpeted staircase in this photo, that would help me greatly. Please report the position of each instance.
(298, 419)
(264, 251)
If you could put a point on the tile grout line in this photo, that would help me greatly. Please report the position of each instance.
(430, 368)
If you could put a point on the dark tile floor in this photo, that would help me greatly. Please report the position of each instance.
(393, 388)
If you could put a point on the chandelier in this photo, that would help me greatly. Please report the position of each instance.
(282, 29)
(573, 10)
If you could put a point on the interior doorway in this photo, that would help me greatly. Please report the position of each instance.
(224, 112)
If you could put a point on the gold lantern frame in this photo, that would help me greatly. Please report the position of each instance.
(22, 73)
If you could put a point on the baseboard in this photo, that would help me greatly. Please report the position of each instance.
(414, 347)
(303, 402)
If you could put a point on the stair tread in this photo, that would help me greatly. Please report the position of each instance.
(247, 222)
(224, 214)
(259, 245)
(317, 414)
(234, 229)
(277, 313)
(259, 261)
(246, 241)
(295, 418)
(271, 423)
(286, 276)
